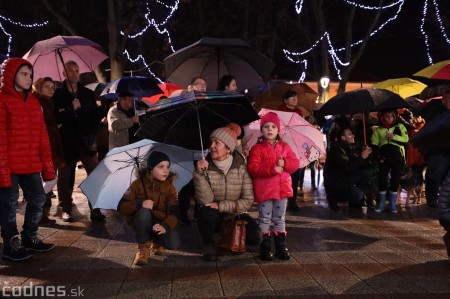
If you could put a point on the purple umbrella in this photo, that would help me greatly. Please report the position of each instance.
(48, 56)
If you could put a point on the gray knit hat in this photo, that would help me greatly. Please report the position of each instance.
(228, 135)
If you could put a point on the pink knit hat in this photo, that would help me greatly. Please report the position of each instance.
(228, 135)
(270, 117)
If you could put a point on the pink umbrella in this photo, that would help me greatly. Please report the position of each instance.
(48, 56)
(304, 139)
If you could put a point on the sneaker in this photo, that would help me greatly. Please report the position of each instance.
(66, 217)
(14, 251)
(33, 243)
(96, 215)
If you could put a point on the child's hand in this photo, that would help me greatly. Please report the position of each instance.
(159, 229)
(279, 169)
(281, 162)
(148, 204)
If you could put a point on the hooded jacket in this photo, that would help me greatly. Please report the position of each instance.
(24, 143)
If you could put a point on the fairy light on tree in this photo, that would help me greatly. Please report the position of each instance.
(16, 23)
(142, 59)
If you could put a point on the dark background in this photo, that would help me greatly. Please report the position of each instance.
(398, 50)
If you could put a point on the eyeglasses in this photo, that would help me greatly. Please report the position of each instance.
(199, 83)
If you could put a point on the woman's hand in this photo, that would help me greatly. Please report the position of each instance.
(148, 204)
(159, 229)
(202, 165)
(213, 205)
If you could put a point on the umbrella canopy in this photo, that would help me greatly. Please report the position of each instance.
(139, 86)
(96, 87)
(435, 133)
(212, 58)
(167, 88)
(48, 56)
(306, 141)
(440, 70)
(405, 87)
(189, 120)
(363, 100)
(272, 98)
(105, 186)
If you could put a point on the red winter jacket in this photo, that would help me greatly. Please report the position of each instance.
(267, 183)
(24, 143)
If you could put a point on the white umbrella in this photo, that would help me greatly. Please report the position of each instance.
(105, 186)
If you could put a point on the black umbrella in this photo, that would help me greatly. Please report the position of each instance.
(435, 133)
(139, 86)
(189, 120)
(361, 101)
(212, 58)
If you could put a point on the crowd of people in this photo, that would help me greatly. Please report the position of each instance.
(46, 131)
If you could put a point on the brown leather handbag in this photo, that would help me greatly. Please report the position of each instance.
(233, 235)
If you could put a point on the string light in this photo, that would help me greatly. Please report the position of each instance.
(147, 66)
(8, 20)
(422, 30)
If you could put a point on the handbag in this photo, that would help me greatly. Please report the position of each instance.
(234, 233)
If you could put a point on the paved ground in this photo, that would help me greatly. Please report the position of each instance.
(334, 255)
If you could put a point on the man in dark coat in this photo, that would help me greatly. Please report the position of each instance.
(345, 171)
(78, 117)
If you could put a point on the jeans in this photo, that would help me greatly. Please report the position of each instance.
(32, 185)
(143, 223)
(210, 221)
(437, 166)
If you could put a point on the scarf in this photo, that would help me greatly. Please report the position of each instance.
(224, 165)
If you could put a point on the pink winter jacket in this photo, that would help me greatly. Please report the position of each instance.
(267, 183)
(24, 143)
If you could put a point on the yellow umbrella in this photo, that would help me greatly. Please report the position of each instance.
(405, 87)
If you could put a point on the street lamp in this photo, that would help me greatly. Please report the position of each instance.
(324, 83)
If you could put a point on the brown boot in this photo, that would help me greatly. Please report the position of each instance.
(157, 248)
(45, 221)
(142, 254)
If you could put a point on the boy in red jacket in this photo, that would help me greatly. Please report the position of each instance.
(25, 155)
(270, 163)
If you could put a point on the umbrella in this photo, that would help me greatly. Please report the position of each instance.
(440, 70)
(167, 88)
(212, 58)
(304, 139)
(405, 87)
(435, 133)
(272, 98)
(139, 86)
(361, 101)
(105, 186)
(48, 56)
(96, 87)
(189, 120)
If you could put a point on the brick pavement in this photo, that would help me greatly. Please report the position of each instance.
(334, 255)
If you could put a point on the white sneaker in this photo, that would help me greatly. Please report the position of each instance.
(66, 217)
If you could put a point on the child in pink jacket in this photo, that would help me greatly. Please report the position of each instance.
(270, 163)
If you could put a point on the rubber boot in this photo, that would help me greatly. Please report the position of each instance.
(265, 248)
(393, 202)
(281, 251)
(381, 202)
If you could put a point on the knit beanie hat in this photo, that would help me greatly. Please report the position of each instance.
(270, 117)
(228, 135)
(155, 158)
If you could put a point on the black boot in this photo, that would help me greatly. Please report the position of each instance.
(280, 246)
(265, 248)
(292, 204)
(45, 221)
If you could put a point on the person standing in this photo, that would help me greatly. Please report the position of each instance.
(121, 118)
(290, 104)
(78, 117)
(270, 163)
(25, 155)
(43, 90)
(388, 143)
